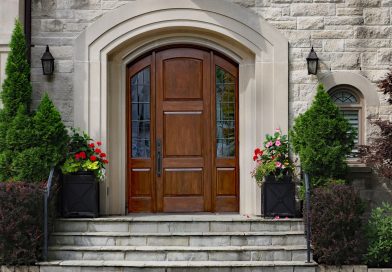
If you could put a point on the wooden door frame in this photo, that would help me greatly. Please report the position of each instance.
(143, 60)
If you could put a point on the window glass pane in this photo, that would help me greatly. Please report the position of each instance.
(344, 97)
(140, 114)
(225, 113)
(352, 116)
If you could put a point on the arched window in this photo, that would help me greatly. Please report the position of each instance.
(350, 102)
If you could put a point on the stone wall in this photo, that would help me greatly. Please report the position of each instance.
(346, 34)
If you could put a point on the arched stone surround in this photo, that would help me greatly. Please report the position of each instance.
(103, 50)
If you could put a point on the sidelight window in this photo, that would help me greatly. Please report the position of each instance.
(140, 114)
(225, 113)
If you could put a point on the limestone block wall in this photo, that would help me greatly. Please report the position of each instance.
(353, 35)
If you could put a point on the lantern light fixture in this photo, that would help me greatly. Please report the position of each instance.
(312, 61)
(47, 62)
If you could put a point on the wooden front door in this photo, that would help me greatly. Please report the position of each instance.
(182, 132)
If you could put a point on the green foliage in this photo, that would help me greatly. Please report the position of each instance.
(16, 87)
(32, 165)
(379, 234)
(50, 131)
(323, 138)
(29, 143)
(20, 132)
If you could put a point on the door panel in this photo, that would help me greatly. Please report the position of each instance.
(183, 132)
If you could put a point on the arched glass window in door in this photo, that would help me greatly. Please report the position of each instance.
(349, 101)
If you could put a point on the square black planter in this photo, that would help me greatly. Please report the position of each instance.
(80, 195)
(279, 197)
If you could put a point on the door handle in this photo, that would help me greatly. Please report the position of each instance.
(159, 158)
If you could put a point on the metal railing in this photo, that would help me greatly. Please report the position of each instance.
(47, 197)
(308, 220)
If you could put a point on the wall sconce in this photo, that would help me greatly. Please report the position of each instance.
(312, 61)
(47, 62)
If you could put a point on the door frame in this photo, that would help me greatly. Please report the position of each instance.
(149, 59)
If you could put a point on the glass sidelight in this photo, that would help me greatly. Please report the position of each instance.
(225, 113)
(141, 117)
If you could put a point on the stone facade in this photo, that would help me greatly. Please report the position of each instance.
(353, 35)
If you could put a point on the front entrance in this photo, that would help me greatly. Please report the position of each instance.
(182, 118)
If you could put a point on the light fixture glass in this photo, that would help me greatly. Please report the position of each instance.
(312, 61)
(47, 62)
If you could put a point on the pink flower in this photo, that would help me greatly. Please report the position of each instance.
(269, 144)
(277, 130)
(278, 143)
(276, 217)
(278, 164)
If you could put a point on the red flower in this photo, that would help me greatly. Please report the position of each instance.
(77, 156)
(99, 143)
(91, 145)
(82, 155)
(258, 152)
(93, 158)
(97, 150)
(103, 155)
(105, 161)
(255, 157)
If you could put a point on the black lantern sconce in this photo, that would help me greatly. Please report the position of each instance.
(47, 62)
(312, 61)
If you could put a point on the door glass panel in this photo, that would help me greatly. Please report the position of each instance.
(140, 114)
(225, 113)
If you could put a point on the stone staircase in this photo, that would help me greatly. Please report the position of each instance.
(163, 243)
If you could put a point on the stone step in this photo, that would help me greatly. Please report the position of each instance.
(177, 266)
(167, 224)
(178, 238)
(178, 253)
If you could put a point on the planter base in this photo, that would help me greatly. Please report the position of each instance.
(80, 195)
(279, 197)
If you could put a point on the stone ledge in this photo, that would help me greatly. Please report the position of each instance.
(5, 268)
(343, 268)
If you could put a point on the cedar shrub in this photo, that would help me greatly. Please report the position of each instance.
(30, 143)
(337, 233)
(323, 139)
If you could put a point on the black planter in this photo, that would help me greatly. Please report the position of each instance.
(80, 195)
(279, 197)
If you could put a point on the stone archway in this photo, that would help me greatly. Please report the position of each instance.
(103, 50)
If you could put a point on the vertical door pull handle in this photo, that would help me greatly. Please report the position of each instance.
(159, 158)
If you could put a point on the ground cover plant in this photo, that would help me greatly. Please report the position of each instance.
(323, 139)
(337, 232)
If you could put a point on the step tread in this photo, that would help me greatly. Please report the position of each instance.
(176, 263)
(182, 218)
(129, 234)
(176, 248)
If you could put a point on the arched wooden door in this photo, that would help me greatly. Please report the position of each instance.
(182, 116)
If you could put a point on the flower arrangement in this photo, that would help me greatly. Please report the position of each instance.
(273, 158)
(84, 154)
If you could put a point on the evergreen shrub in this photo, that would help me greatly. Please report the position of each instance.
(30, 143)
(379, 234)
(337, 232)
(323, 139)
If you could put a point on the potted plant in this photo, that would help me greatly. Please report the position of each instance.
(82, 170)
(273, 173)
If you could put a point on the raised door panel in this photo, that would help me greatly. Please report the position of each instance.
(183, 182)
(183, 134)
(182, 78)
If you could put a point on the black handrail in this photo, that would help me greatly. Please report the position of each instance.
(47, 196)
(308, 222)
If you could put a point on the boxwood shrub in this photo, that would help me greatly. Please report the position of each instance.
(379, 233)
(21, 208)
(337, 232)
